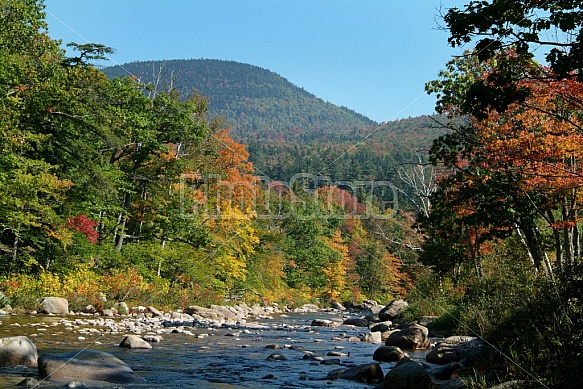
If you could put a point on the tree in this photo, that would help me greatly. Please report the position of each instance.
(519, 25)
(336, 271)
(306, 251)
(501, 24)
(420, 181)
(511, 167)
(539, 143)
(30, 189)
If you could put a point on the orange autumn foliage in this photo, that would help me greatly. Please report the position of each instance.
(540, 139)
(238, 185)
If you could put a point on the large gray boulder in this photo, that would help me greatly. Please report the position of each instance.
(122, 308)
(229, 313)
(55, 305)
(393, 311)
(355, 321)
(454, 349)
(446, 372)
(17, 350)
(155, 312)
(381, 327)
(388, 354)
(373, 337)
(323, 323)
(472, 352)
(307, 308)
(410, 375)
(444, 351)
(370, 373)
(134, 342)
(414, 337)
(87, 365)
(205, 313)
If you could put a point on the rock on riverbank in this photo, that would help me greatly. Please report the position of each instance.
(17, 351)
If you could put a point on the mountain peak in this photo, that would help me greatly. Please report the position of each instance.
(250, 99)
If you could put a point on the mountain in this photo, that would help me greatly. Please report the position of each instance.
(286, 129)
(250, 98)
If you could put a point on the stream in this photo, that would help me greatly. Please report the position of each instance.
(224, 358)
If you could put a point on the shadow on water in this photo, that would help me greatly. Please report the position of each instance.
(225, 358)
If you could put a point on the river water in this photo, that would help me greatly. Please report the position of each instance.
(227, 358)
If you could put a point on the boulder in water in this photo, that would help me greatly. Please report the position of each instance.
(134, 342)
(414, 337)
(355, 321)
(277, 357)
(17, 350)
(122, 308)
(393, 311)
(87, 365)
(370, 373)
(388, 354)
(454, 349)
(55, 305)
(381, 327)
(373, 337)
(322, 323)
(410, 375)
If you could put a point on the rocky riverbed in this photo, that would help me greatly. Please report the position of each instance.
(220, 347)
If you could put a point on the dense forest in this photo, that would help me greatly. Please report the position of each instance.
(128, 188)
(288, 130)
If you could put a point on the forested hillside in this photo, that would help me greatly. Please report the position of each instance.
(253, 100)
(288, 130)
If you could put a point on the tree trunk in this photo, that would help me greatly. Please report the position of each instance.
(527, 247)
(160, 261)
(475, 252)
(115, 230)
(120, 229)
(568, 246)
(14, 254)
(533, 247)
(557, 236)
(576, 240)
(120, 235)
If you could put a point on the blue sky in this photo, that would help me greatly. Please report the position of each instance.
(372, 56)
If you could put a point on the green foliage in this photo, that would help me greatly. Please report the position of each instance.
(535, 322)
(307, 252)
(434, 295)
(542, 327)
